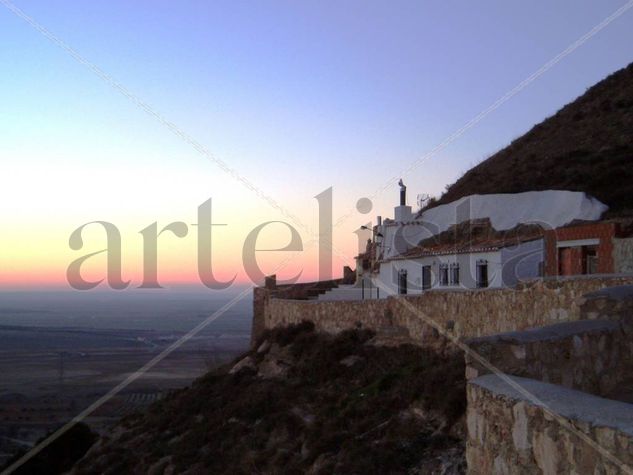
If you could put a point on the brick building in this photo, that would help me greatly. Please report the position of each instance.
(593, 248)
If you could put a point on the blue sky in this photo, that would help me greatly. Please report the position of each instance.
(296, 96)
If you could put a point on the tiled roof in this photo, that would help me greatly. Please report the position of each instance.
(473, 237)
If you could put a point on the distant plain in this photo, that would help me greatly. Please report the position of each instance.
(61, 351)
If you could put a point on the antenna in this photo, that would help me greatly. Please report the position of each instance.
(422, 199)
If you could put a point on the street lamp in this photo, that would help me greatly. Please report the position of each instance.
(372, 230)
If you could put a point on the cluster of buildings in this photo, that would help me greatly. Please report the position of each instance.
(490, 241)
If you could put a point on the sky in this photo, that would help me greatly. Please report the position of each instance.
(291, 97)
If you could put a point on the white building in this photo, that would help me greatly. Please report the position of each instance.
(429, 250)
(480, 266)
(476, 242)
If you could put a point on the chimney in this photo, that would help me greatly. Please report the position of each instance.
(270, 282)
(378, 220)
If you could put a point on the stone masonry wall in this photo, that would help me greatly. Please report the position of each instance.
(623, 255)
(611, 303)
(595, 356)
(294, 292)
(512, 429)
(462, 313)
(512, 432)
(584, 343)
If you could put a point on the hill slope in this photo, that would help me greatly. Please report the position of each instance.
(586, 146)
(303, 403)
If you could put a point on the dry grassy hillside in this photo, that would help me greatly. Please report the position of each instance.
(586, 146)
(303, 403)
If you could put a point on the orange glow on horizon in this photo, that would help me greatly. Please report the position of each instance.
(53, 275)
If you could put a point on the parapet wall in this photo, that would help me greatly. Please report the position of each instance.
(294, 292)
(595, 356)
(528, 430)
(555, 428)
(463, 313)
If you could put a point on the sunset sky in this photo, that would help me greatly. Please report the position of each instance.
(295, 97)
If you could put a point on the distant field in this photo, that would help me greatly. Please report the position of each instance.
(148, 310)
(59, 352)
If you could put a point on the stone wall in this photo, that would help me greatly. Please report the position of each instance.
(293, 292)
(515, 424)
(623, 255)
(595, 356)
(518, 425)
(516, 432)
(611, 303)
(467, 313)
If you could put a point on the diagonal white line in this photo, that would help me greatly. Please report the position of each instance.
(499, 102)
(202, 150)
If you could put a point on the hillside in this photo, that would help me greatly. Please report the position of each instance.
(586, 146)
(303, 403)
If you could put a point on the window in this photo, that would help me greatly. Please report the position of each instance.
(426, 277)
(455, 274)
(482, 274)
(443, 275)
(591, 259)
(402, 282)
(365, 264)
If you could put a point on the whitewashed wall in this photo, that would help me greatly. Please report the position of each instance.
(388, 276)
(506, 267)
(522, 262)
